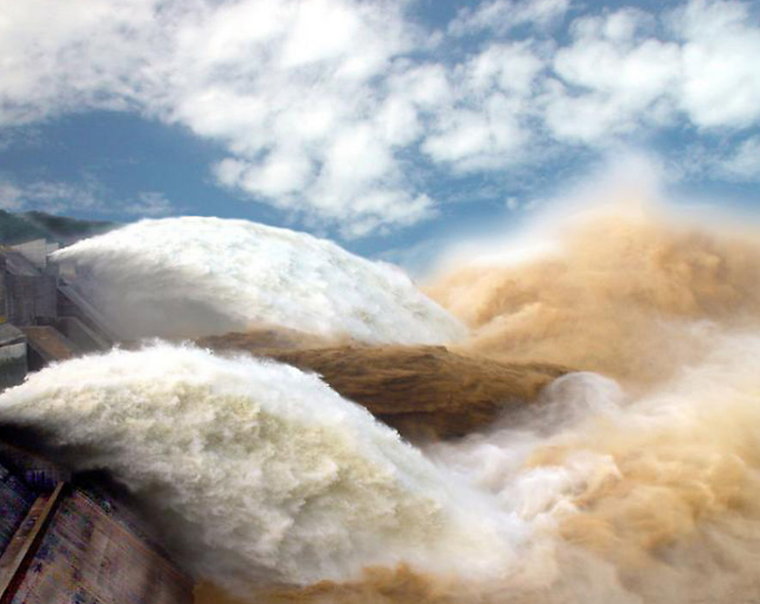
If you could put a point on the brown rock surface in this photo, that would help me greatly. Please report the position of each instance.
(422, 391)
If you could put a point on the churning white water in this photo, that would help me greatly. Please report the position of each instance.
(598, 494)
(262, 472)
(192, 276)
(648, 499)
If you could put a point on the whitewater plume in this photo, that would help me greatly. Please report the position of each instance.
(260, 472)
(620, 499)
(629, 291)
(192, 276)
(654, 498)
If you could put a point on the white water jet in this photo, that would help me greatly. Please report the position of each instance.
(193, 276)
(259, 471)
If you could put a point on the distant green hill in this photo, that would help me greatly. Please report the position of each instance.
(18, 228)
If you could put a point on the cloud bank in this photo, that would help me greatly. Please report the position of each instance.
(344, 113)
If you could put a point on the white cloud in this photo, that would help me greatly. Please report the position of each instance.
(326, 107)
(485, 139)
(149, 204)
(59, 57)
(721, 79)
(321, 30)
(744, 163)
(49, 196)
(88, 195)
(502, 15)
(427, 86)
(508, 67)
(281, 83)
(296, 105)
(464, 134)
(11, 197)
(283, 173)
(617, 76)
(483, 126)
(613, 80)
(398, 121)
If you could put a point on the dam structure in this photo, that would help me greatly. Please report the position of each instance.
(65, 539)
(43, 318)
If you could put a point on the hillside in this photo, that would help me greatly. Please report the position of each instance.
(21, 227)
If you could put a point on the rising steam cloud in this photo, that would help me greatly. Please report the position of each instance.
(189, 277)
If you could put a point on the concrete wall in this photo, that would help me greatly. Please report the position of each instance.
(29, 298)
(26, 294)
(36, 251)
(87, 555)
(15, 501)
(13, 356)
(13, 364)
(77, 545)
(85, 338)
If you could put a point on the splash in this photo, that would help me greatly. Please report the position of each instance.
(626, 499)
(263, 473)
(424, 392)
(263, 477)
(653, 499)
(191, 277)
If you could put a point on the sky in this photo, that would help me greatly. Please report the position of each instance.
(388, 126)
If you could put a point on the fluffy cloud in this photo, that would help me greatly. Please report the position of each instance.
(612, 77)
(60, 57)
(150, 204)
(296, 102)
(629, 77)
(11, 197)
(744, 163)
(500, 16)
(340, 111)
(50, 196)
(484, 124)
(721, 71)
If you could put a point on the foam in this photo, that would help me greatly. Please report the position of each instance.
(194, 276)
(260, 473)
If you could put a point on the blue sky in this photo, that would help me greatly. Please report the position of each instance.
(388, 126)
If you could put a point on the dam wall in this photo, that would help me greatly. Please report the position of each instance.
(76, 542)
(42, 317)
(13, 355)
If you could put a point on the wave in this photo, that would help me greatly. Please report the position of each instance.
(192, 276)
(260, 472)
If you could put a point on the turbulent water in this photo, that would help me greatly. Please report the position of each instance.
(263, 471)
(635, 479)
(632, 292)
(192, 276)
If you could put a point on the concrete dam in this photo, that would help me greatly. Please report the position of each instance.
(63, 538)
